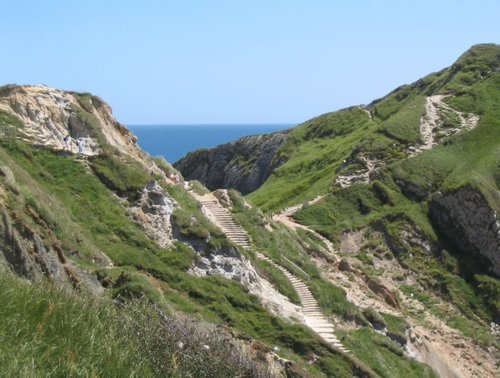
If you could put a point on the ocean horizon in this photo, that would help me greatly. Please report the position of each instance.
(175, 141)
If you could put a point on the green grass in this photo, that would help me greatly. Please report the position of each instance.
(315, 150)
(277, 279)
(312, 161)
(383, 355)
(395, 324)
(46, 331)
(100, 223)
(404, 126)
(126, 177)
(10, 119)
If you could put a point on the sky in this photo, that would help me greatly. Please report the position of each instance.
(209, 62)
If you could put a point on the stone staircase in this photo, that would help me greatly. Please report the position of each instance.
(225, 220)
(313, 316)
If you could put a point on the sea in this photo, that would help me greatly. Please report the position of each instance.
(175, 141)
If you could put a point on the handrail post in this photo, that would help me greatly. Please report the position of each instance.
(295, 266)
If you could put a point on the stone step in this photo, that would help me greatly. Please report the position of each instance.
(234, 230)
(333, 341)
(325, 331)
(314, 317)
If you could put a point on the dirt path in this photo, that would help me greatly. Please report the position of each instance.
(430, 121)
(286, 217)
(310, 313)
(431, 130)
(444, 349)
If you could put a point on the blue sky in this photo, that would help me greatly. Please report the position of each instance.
(235, 61)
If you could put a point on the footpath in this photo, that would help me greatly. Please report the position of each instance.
(313, 316)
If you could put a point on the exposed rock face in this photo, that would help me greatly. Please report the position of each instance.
(152, 212)
(47, 115)
(23, 251)
(466, 218)
(242, 165)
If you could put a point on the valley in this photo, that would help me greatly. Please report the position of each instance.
(363, 242)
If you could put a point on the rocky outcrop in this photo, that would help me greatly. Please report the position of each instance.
(242, 165)
(24, 252)
(467, 219)
(45, 116)
(152, 212)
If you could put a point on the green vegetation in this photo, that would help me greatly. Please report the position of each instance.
(125, 176)
(395, 325)
(10, 119)
(45, 330)
(284, 242)
(277, 279)
(312, 161)
(404, 126)
(89, 220)
(48, 331)
(382, 355)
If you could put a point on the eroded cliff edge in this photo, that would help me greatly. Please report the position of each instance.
(466, 218)
(243, 164)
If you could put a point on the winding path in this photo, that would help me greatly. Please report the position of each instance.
(313, 316)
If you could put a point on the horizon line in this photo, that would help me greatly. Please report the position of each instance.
(213, 124)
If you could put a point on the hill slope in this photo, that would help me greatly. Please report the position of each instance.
(390, 257)
(107, 230)
(407, 190)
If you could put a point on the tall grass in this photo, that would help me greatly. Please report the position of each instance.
(47, 331)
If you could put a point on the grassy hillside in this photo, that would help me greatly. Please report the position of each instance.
(88, 219)
(396, 201)
(49, 331)
(129, 313)
(316, 149)
(60, 197)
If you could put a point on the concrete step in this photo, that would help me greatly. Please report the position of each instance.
(313, 314)
(309, 301)
(325, 331)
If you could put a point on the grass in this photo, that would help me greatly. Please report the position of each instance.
(47, 331)
(124, 176)
(10, 119)
(312, 161)
(404, 125)
(284, 242)
(89, 220)
(277, 279)
(382, 355)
